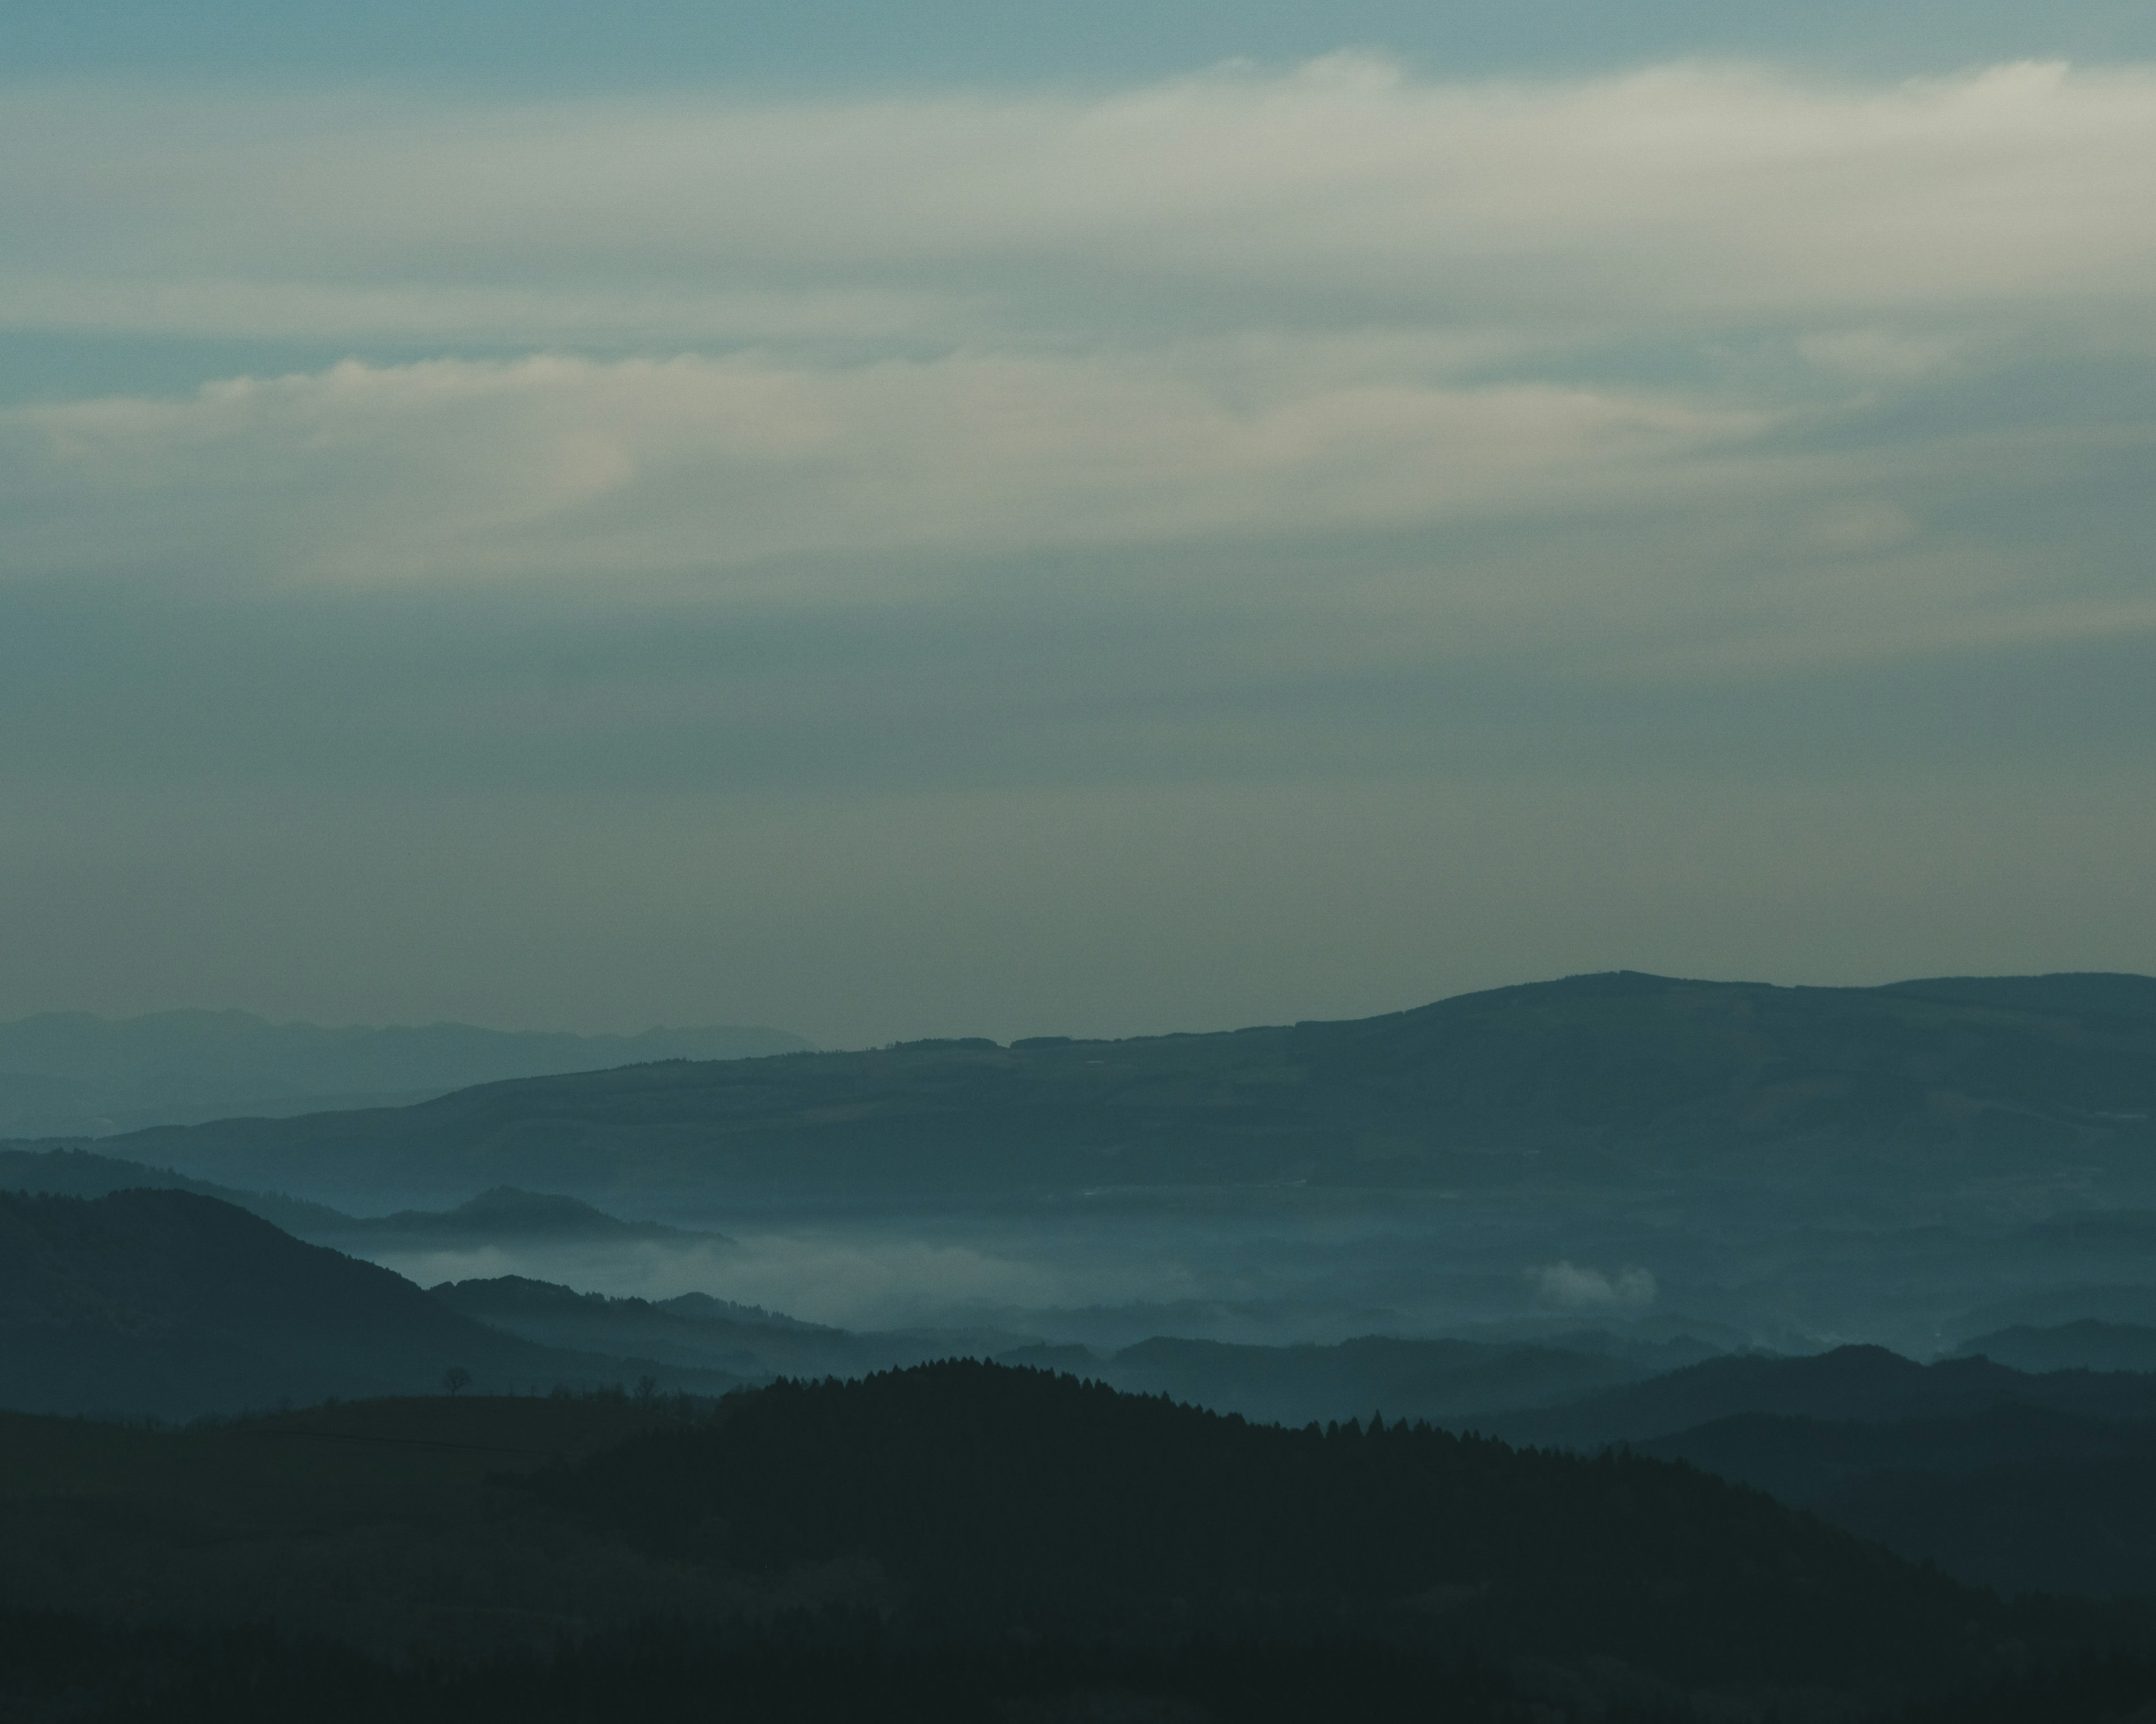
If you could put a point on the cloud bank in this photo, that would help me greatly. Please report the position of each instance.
(1712, 472)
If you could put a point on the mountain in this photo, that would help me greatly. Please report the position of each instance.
(81, 1173)
(1850, 1383)
(694, 1330)
(502, 1215)
(1439, 1380)
(1293, 1385)
(1594, 1080)
(2087, 1345)
(72, 1075)
(964, 1544)
(987, 1498)
(2129, 1304)
(2019, 1497)
(169, 1303)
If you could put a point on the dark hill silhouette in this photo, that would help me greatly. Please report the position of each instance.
(506, 1213)
(165, 1302)
(1444, 1380)
(958, 1542)
(992, 1496)
(2020, 1498)
(1850, 1383)
(67, 1172)
(1598, 1075)
(2087, 1345)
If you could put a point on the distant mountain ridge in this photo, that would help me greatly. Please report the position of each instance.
(1594, 1078)
(506, 1213)
(66, 1074)
(1858, 1383)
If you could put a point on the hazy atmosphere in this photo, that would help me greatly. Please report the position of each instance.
(1165, 523)
(970, 864)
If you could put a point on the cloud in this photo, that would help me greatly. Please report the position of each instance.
(551, 466)
(556, 525)
(1734, 356)
(1346, 192)
(1568, 1286)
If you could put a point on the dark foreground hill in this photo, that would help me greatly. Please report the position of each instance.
(996, 1497)
(956, 1542)
(1592, 1079)
(168, 1303)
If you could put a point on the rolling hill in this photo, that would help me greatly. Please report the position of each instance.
(65, 1074)
(1595, 1080)
(169, 1303)
(1850, 1383)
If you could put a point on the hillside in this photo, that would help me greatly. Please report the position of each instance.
(1440, 1380)
(170, 1303)
(2019, 1497)
(65, 1074)
(67, 1172)
(868, 1550)
(691, 1330)
(990, 1496)
(1593, 1080)
(502, 1215)
(2086, 1346)
(1850, 1383)
(1432, 1379)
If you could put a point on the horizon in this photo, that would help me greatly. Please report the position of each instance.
(1202, 859)
(632, 1031)
(1087, 525)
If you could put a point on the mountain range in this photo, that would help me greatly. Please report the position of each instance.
(1597, 1080)
(71, 1074)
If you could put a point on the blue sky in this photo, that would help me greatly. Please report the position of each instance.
(963, 522)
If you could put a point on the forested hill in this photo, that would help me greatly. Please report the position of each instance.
(988, 1496)
(1593, 1077)
(167, 1303)
(1850, 1382)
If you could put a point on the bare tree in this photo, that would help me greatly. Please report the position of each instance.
(456, 1378)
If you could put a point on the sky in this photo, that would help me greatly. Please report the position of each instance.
(991, 519)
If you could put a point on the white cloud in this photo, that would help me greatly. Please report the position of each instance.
(854, 348)
(1570, 1286)
(455, 468)
(1691, 193)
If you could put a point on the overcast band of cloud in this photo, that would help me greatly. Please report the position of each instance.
(1321, 427)
(1228, 305)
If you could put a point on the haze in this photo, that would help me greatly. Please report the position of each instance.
(1085, 527)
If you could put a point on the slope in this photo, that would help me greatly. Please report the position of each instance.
(1850, 1383)
(1595, 1079)
(169, 1303)
(70, 1074)
(992, 1496)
